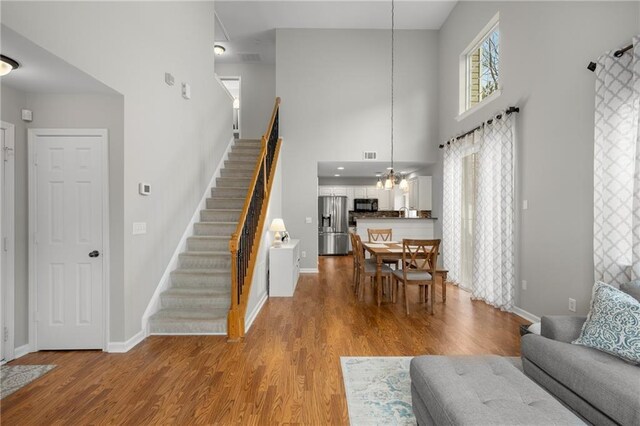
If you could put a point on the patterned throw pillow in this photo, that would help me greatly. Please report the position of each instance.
(613, 324)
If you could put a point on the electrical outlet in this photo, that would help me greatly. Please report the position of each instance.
(524, 284)
(304, 254)
(572, 305)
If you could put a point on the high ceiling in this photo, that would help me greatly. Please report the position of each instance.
(246, 27)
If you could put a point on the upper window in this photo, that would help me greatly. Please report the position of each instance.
(480, 64)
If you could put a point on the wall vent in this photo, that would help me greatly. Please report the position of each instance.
(369, 155)
(249, 57)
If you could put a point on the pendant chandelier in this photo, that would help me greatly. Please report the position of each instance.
(390, 178)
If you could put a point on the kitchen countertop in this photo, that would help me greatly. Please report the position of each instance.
(395, 218)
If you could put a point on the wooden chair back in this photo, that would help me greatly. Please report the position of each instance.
(359, 251)
(380, 234)
(420, 255)
(354, 245)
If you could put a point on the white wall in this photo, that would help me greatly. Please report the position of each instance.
(171, 143)
(335, 87)
(257, 95)
(545, 48)
(260, 276)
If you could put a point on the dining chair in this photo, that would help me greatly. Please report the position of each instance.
(356, 267)
(419, 265)
(376, 235)
(380, 236)
(368, 269)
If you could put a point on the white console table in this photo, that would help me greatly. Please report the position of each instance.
(284, 269)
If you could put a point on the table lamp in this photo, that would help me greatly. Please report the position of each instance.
(277, 226)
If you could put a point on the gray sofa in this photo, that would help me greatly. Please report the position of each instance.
(601, 388)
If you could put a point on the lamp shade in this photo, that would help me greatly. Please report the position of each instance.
(277, 225)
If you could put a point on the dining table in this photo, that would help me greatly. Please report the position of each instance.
(392, 250)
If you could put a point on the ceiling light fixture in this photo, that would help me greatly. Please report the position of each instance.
(390, 178)
(340, 168)
(218, 49)
(337, 175)
(7, 65)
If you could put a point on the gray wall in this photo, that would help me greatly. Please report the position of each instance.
(12, 101)
(169, 142)
(335, 87)
(545, 48)
(257, 95)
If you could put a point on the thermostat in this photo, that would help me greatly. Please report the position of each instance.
(144, 188)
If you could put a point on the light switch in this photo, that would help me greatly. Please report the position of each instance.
(168, 78)
(308, 220)
(139, 228)
(525, 205)
(27, 115)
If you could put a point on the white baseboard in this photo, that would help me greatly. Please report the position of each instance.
(165, 280)
(524, 314)
(188, 334)
(254, 314)
(21, 351)
(122, 347)
(309, 270)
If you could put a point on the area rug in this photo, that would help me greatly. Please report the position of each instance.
(378, 390)
(14, 377)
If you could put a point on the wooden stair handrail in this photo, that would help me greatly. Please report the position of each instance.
(239, 296)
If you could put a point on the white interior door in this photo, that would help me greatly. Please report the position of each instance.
(67, 217)
(7, 246)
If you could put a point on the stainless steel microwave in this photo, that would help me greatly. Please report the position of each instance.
(365, 205)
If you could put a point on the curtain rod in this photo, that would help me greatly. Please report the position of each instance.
(509, 110)
(618, 53)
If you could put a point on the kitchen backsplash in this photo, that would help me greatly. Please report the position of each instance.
(383, 213)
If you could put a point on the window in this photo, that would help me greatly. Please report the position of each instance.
(480, 63)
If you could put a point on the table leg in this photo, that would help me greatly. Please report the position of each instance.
(379, 277)
(444, 287)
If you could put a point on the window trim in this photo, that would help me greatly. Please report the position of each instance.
(463, 111)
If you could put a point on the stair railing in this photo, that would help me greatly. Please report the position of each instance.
(245, 241)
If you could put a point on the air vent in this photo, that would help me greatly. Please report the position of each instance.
(369, 155)
(249, 57)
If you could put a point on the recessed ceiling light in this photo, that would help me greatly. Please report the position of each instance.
(337, 175)
(378, 174)
(7, 65)
(389, 168)
(340, 168)
(218, 49)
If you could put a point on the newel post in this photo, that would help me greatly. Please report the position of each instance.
(235, 324)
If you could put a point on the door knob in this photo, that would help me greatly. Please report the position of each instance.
(94, 253)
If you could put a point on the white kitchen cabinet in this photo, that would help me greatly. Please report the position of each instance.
(420, 193)
(340, 190)
(359, 192)
(284, 269)
(325, 190)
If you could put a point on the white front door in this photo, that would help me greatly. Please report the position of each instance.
(68, 238)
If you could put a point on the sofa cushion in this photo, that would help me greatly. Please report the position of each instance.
(613, 323)
(632, 288)
(487, 390)
(604, 381)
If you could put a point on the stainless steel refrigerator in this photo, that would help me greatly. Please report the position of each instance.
(333, 225)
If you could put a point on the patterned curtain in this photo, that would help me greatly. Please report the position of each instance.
(494, 245)
(616, 228)
(452, 206)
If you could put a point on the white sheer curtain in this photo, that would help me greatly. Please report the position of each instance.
(494, 228)
(616, 228)
(454, 152)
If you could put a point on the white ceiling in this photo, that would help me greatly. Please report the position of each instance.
(359, 169)
(41, 71)
(250, 25)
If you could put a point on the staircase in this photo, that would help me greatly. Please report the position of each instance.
(199, 298)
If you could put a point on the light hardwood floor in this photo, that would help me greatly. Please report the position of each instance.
(287, 370)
